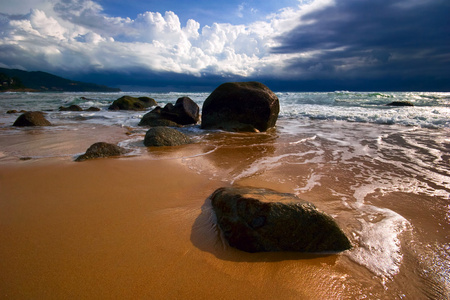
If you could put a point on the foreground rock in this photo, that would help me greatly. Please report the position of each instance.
(102, 149)
(400, 103)
(258, 220)
(32, 118)
(132, 103)
(165, 136)
(184, 112)
(240, 106)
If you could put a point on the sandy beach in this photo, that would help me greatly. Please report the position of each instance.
(132, 229)
(136, 135)
(141, 226)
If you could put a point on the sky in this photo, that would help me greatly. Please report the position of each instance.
(290, 45)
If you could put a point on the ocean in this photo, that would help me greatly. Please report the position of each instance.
(431, 109)
(382, 171)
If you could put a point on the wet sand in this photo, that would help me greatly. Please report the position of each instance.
(142, 227)
(129, 229)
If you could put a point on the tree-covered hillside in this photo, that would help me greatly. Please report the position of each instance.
(13, 79)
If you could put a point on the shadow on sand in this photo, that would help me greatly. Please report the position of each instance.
(206, 236)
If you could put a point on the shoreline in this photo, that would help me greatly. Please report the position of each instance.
(141, 226)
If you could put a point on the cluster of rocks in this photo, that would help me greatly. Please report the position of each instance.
(251, 219)
(241, 106)
(13, 111)
(72, 107)
(184, 112)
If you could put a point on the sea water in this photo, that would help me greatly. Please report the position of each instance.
(431, 110)
(383, 172)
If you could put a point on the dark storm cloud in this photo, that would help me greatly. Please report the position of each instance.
(373, 39)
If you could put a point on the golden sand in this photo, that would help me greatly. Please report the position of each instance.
(130, 229)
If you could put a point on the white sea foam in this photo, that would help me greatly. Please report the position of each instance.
(130, 144)
(379, 247)
(304, 140)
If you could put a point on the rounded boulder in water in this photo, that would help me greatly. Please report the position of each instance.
(73, 107)
(102, 149)
(32, 118)
(165, 136)
(132, 103)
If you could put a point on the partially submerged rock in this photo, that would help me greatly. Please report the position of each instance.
(72, 107)
(240, 106)
(184, 112)
(165, 136)
(132, 103)
(400, 103)
(261, 220)
(32, 118)
(102, 149)
(93, 108)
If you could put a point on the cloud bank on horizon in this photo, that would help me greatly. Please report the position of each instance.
(311, 40)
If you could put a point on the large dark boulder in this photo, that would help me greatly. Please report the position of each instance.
(240, 106)
(258, 220)
(132, 103)
(32, 118)
(102, 149)
(165, 136)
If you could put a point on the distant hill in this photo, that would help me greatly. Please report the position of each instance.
(13, 79)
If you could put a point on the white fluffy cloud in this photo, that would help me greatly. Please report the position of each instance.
(75, 35)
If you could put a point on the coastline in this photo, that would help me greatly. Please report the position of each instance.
(141, 226)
